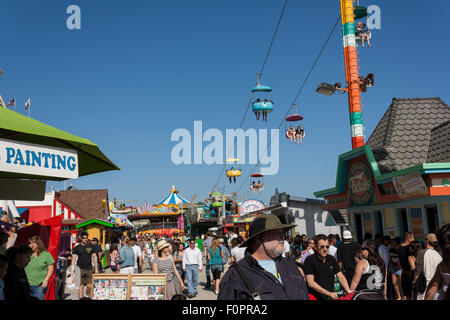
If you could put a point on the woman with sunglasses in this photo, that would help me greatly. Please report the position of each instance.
(370, 272)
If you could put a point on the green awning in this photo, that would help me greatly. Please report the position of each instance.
(17, 127)
(94, 221)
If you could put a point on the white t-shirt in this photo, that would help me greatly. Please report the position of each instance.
(287, 248)
(332, 251)
(431, 260)
(137, 253)
(238, 253)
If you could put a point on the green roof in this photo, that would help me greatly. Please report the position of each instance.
(94, 221)
(341, 176)
(17, 127)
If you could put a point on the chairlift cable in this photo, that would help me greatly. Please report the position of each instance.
(298, 93)
(260, 74)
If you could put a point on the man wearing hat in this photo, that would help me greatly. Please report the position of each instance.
(263, 274)
(427, 261)
(346, 254)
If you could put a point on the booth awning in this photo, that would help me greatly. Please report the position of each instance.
(16, 127)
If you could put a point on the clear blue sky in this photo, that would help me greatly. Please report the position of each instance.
(137, 70)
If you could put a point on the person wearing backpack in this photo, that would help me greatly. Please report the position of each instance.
(263, 274)
(215, 258)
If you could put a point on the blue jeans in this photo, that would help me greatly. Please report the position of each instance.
(192, 278)
(38, 292)
(180, 271)
(208, 274)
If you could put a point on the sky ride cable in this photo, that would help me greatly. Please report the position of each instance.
(298, 94)
(260, 75)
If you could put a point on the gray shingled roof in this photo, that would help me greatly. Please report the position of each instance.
(404, 137)
(439, 150)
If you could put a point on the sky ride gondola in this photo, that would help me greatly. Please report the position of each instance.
(257, 187)
(359, 13)
(294, 134)
(260, 102)
(232, 173)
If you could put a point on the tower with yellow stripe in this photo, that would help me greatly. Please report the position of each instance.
(352, 73)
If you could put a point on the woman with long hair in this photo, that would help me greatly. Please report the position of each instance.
(40, 268)
(164, 264)
(414, 248)
(178, 259)
(438, 286)
(114, 254)
(394, 268)
(215, 258)
(370, 272)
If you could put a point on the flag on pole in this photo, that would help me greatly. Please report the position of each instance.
(12, 102)
(27, 104)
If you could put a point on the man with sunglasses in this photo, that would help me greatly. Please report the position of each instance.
(320, 270)
(83, 254)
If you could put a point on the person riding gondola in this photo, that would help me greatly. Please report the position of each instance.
(362, 33)
(298, 134)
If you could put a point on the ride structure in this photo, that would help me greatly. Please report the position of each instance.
(260, 102)
(163, 218)
(352, 73)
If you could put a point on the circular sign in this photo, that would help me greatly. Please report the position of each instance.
(360, 183)
(251, 205)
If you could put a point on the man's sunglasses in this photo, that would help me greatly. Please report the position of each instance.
(322, 247)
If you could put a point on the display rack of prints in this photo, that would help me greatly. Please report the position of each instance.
(129, 287)
(110, 287)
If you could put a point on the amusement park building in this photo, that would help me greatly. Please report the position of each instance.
(400, 179)
(307, 214)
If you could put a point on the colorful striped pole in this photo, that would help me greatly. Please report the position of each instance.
(352, 73)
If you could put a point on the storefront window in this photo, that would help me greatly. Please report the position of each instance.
(402, 221)
(432, 218)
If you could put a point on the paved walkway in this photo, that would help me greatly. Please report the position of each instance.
(71, 292)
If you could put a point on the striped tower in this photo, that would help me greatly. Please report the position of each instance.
(352, 73)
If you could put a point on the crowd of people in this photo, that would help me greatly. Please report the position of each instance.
(266, 265)
(327, 268)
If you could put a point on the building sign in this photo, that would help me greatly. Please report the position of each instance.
(410, 186)
(120, 219)
(244, 219)
(33, 159)
(250, 206)
(360, 184)
(368, 222)
(417, 223)
(165, 231)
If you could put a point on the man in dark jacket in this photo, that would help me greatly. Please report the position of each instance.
(264, 272)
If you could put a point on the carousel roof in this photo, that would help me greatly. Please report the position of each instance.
(173, 199)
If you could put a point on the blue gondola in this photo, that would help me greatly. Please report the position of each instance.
(261, 104)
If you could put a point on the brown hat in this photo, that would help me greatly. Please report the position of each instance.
(263, 223)
(432, 238)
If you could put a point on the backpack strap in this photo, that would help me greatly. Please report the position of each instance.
(255, 295)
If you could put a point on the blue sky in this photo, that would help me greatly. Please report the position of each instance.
(137, 70)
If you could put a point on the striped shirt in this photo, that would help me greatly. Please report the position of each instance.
(165, 266)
